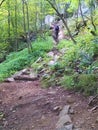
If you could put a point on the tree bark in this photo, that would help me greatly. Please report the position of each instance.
(24, 20)
(82, 13)
(16, 42)
(2, 2)
(91, 13)
(28, 28)
(9, 21)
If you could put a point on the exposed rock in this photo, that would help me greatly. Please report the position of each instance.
(63, 121)
(56, 57)
(26, 78)
(52, 92)
(71, 111)
(67, 127)
(20, 73)
(33, 75)
(9, 80)
(52, 62)
(51, 54)
(65, 110)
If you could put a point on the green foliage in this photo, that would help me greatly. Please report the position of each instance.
(3, 49)
(85, 83)
(43, 45)
(67, 82)
(48, 81)
(18, 60)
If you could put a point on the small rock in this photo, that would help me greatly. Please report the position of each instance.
(52, 92)
(51, 54)
(24, 71)
(52, 62)
(10, 80)
(32, 126)
(70, 100)
(33, 75)
(64, 120)
(14, 111)
(67, 127)
(71, 111)
(20, 97)
(57, 108)
(56, 57)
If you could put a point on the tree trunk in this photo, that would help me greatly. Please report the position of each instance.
(82, 13)
(24, 21)
(16, 34)
(9, 21)
(28, 28)
(91, 13)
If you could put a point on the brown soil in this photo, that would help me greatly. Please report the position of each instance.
(27, 106)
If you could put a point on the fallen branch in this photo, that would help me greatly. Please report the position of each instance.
(25, 78)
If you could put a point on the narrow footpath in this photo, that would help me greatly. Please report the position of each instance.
(26, 105)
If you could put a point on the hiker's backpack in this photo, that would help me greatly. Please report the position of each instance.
(57, 28)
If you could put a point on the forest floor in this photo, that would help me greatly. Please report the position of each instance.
(25, 105)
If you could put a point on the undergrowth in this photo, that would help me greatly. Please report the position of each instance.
(77, 68)
(19, 60)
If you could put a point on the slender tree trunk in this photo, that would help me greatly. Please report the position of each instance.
(91, 13)
(28, 28)
(82, 13)
(77, 18)
(24, 20)
(41, 4)
(9, 21)
(16, 34)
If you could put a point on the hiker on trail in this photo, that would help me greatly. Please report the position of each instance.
(55, 32)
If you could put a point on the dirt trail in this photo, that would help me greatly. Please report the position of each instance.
(27, 106)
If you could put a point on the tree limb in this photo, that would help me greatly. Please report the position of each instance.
(2, 2)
